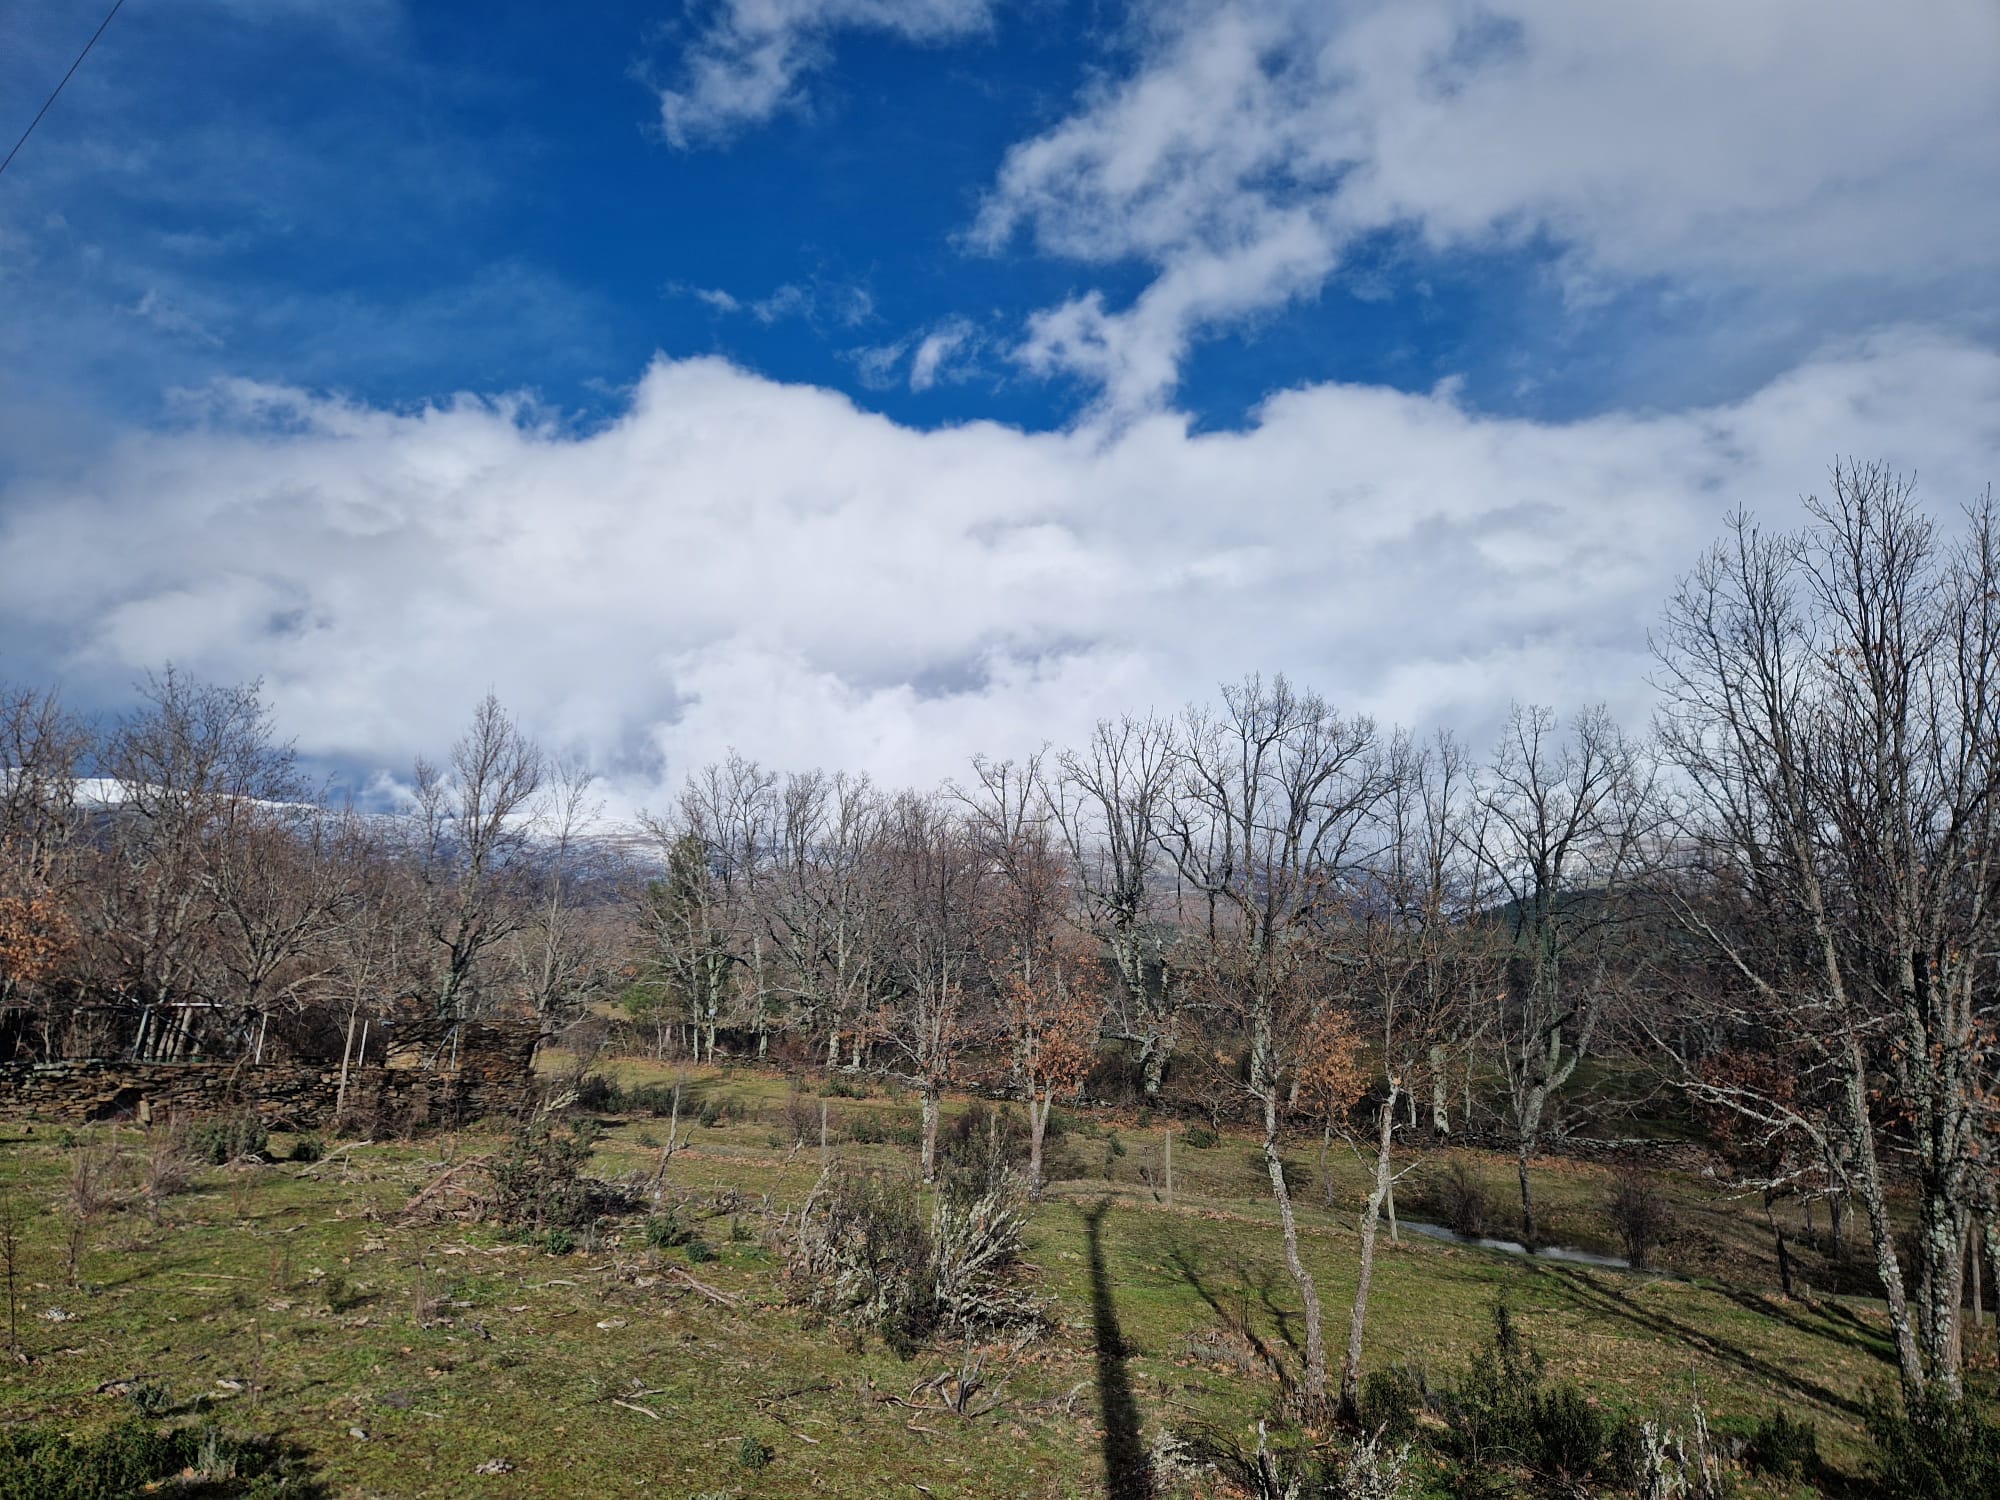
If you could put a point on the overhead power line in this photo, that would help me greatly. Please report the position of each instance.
(117, 5)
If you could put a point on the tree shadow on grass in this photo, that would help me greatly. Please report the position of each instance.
(1237, 1320)
(1598, 1295)
(1127, 1475)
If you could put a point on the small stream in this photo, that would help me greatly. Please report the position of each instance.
(1515, 1247)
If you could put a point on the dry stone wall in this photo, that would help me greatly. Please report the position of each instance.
(429, 1077)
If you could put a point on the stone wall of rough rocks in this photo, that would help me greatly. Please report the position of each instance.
(425, 1080)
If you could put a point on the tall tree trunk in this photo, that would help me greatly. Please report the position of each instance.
(1882, 1231)
(1943, 1228)
(1315, 1373)
(1038, 1124)
(930, 1116)
(1527, 1195)
(1350, 1370)
(1153, 1068)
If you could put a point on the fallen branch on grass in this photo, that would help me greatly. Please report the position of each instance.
(727, 1299)
(430, 1195)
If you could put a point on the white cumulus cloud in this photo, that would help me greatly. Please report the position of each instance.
(1795, 145)
(734, 561)
(746, 59)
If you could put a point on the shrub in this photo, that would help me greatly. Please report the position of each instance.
(1488, 1408)
(976, 1238)
(874, 1130)
(751, 1453)
(1938, 1449)
(801, 1117)
(1462, 1200)
(1568, 1432)
(981, 1144)
(861, 1253)
(1372, 1471)
(655, 1099)
(714, 1111)
(221, 1141)
(1784, 1447)
(1388, 1404)
(1201, 1137)
(40, 1463)
(595, 1091)
(698, 1252)
(1638, 1213)
(1502, 1407)
(558, 1241)
(845, 1088)
(666, 1229)
(151, 1398)
(308, 1148)
(169, 1170)
(864, 1252)
(538, 1182)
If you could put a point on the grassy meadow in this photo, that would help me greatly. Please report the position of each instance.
(431, 1355)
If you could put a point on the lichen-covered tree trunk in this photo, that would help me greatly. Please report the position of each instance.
(1868, 1184)
(929, 1098)
(1038, 1126)
(1314, 1383)
(1371, 1214)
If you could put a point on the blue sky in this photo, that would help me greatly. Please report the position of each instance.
(1106, 311)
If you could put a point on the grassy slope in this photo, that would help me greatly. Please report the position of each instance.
(302, 1286)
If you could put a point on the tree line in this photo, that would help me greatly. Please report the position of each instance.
(1780, 903)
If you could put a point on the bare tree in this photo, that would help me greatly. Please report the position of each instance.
(558, 956)
(1833, 699)
(934, 883)
(1567, 825)
(1272, 797)
(199, 774)
(41, 746)
(475, 829)
(1411, 952)
(733, 808)
(691, 966)
(1108, 801)
(825, 912)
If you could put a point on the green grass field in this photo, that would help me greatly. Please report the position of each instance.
(400, 1356)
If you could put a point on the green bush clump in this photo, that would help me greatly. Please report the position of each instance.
(655, 1099)
(1568, 1432)
(698, 1251)
(308, 1148)
(874, 1130)
(1936, 1449)
(595, 1091)
(1502, 1408)
(714, 1111)
(558, 1241)
(151, 1398)
(845, 1088)
(221, 1141)
(40, 1463)
(1784, 1447)
(751, 1453)
(538, 1181)
(1388, 1404)
(1201, 1138)
(666, 1229)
